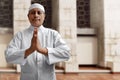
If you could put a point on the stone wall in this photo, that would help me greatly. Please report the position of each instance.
(112, 34)
(20, 12)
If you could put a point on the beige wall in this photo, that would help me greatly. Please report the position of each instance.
(4, 40)
(20, 11)
(87, 53)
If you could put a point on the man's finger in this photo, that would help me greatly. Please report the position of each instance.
(35, 32)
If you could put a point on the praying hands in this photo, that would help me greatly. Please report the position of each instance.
(35, 45)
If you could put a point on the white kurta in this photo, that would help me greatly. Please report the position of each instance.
(37, 66)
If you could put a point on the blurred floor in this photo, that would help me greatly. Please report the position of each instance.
(60, 76)
(87, 73)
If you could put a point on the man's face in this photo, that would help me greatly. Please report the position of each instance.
(36, 17)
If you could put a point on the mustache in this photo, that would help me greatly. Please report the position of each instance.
(36, 19)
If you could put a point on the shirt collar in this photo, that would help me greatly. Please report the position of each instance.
(39, 28)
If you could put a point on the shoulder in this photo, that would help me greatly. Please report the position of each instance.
(51, 31)
(19, 34)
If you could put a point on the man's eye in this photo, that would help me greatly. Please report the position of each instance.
(39, 13)
(32, 12)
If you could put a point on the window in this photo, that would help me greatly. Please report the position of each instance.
(6, 13)
(83, 13)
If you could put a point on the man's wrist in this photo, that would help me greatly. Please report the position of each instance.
(28, 52)
(43, 51)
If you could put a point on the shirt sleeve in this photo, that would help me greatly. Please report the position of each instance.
(61, 52)
(13, 53)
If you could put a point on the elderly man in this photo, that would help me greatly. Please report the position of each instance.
(37, 48)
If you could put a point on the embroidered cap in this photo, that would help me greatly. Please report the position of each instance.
(37, 5)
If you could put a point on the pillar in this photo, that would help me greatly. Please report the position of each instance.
(64, 20)
(112, 34)
(97, 21)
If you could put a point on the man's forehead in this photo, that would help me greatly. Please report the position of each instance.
(36, 5)
(35, 9)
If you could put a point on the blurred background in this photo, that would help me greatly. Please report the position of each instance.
(90, 28)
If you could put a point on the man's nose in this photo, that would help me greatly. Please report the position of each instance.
(36, 14)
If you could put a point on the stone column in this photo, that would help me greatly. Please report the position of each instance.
(20, 10)
(105, 16)
(97, 21)
(112, 34)
(64, 20)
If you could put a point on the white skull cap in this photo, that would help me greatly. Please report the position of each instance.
(37, 5)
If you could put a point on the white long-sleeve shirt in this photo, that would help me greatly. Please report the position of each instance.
(37, 66)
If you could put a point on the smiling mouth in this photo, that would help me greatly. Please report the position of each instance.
(36, 19)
